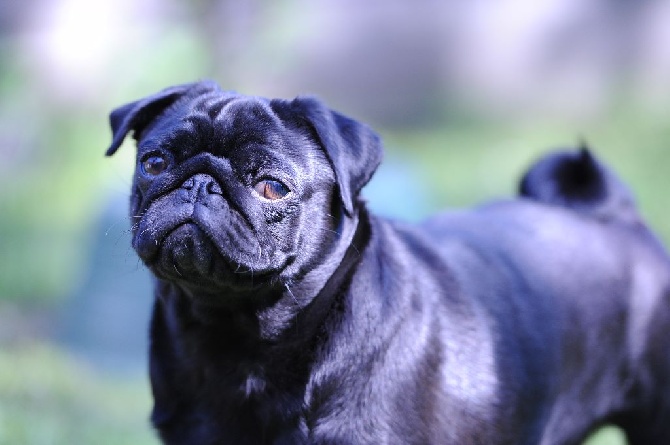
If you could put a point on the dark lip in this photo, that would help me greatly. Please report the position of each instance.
(232, 266)
(166, 235)
(156, 253)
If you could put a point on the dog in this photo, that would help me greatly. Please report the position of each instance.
(286, 313)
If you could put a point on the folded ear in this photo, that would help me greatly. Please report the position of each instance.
(354, 150)
(137, 115)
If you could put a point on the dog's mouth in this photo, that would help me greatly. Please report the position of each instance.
(188, 250)
(187, 253)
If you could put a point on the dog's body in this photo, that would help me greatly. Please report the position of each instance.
(286, 314)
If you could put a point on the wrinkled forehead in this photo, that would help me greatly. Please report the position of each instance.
(219, 122)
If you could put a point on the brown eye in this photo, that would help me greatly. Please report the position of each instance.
(154, 165)
(271, 189)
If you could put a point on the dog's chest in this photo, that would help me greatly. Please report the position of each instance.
(212, 387)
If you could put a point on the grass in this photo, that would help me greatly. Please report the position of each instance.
(49, 398)
(608, 435)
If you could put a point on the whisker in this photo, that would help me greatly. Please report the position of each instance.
(111, 226)
(291, 294)
(177, 270)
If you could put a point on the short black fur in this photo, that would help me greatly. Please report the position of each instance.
(303, 319)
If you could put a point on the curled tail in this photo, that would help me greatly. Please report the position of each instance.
(576, 180)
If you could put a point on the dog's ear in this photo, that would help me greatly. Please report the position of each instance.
(135, 116)
(353, 149)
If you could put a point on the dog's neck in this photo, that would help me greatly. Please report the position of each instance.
(321, 286)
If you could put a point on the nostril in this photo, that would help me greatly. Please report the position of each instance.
(200, 185)
(214, 188)
(188, 184)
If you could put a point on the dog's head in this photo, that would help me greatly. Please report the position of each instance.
(235, 193)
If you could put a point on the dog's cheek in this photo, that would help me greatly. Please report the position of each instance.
(274, 216)
(284, 228)
(136, 199)
(280, 215)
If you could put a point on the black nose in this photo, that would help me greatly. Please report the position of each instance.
(199, 186)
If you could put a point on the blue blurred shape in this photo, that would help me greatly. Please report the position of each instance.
(398, 191)
(106, 321)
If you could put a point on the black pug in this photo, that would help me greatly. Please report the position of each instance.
(285, 313)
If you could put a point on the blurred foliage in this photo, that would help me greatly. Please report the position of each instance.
(54, 179)
(47, 201)
(48, 398)
(608, 435)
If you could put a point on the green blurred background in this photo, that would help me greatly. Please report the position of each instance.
(465, 94)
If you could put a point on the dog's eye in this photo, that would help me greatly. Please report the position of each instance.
(271, 189)
(154, 165)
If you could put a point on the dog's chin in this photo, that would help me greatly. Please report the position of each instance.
(188, 257)
(188, 252)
